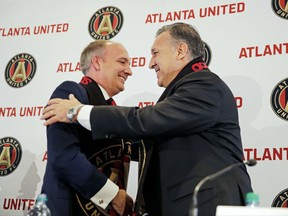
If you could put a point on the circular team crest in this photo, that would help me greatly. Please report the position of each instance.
(207, 54)
(20, 70)
(10, 155)
(280, 7)
(279, 99)
(113, 161)
(281, 200)
(105, 23)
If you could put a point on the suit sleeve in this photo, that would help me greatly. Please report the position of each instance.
(70, 165)
(193, 107)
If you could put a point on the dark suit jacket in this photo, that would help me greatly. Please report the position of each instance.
(196, 133)
(74, 159)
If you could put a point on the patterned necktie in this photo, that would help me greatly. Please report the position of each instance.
(111, 102)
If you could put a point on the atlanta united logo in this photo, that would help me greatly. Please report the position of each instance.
(280, 7)
(207, 54)
(10, 155)
(281, 200)
(113, 161)
(279, 99)
(20, 70)
(105, 23)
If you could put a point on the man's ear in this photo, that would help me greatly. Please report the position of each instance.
(95, 62)
(182, 50)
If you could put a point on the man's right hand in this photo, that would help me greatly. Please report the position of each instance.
(122, 200)
(129, 206)
(57, 110)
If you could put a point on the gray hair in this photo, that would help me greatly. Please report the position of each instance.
(94, 48)
(182, 32)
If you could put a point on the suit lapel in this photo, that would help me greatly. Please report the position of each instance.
(93, 91)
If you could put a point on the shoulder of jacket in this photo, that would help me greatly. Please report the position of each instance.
(71, 87)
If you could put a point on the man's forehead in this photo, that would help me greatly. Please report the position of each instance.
(159, 42)
(112, 46)
(117, 48)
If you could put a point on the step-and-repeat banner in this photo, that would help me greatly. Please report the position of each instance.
(40, 44)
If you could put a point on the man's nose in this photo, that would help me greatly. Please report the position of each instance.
(128, 71)
(152, 63)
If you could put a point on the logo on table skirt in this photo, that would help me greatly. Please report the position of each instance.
(281, 200)
(10, 155)
(105, 23)
(20, 70)
(279, 99)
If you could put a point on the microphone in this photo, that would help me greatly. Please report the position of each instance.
(194, 209)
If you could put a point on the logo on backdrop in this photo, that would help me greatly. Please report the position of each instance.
(281, 200)
(105, 23)
(10, 155)
(280, 7)
(207, 54)
(20, 70)
(279, 99)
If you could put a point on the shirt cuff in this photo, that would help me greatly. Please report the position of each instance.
(83, 116)
(106, 194)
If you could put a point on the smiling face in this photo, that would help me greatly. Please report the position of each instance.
(112, 68)
(165, 59)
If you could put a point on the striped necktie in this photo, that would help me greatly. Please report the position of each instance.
(111, 102)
